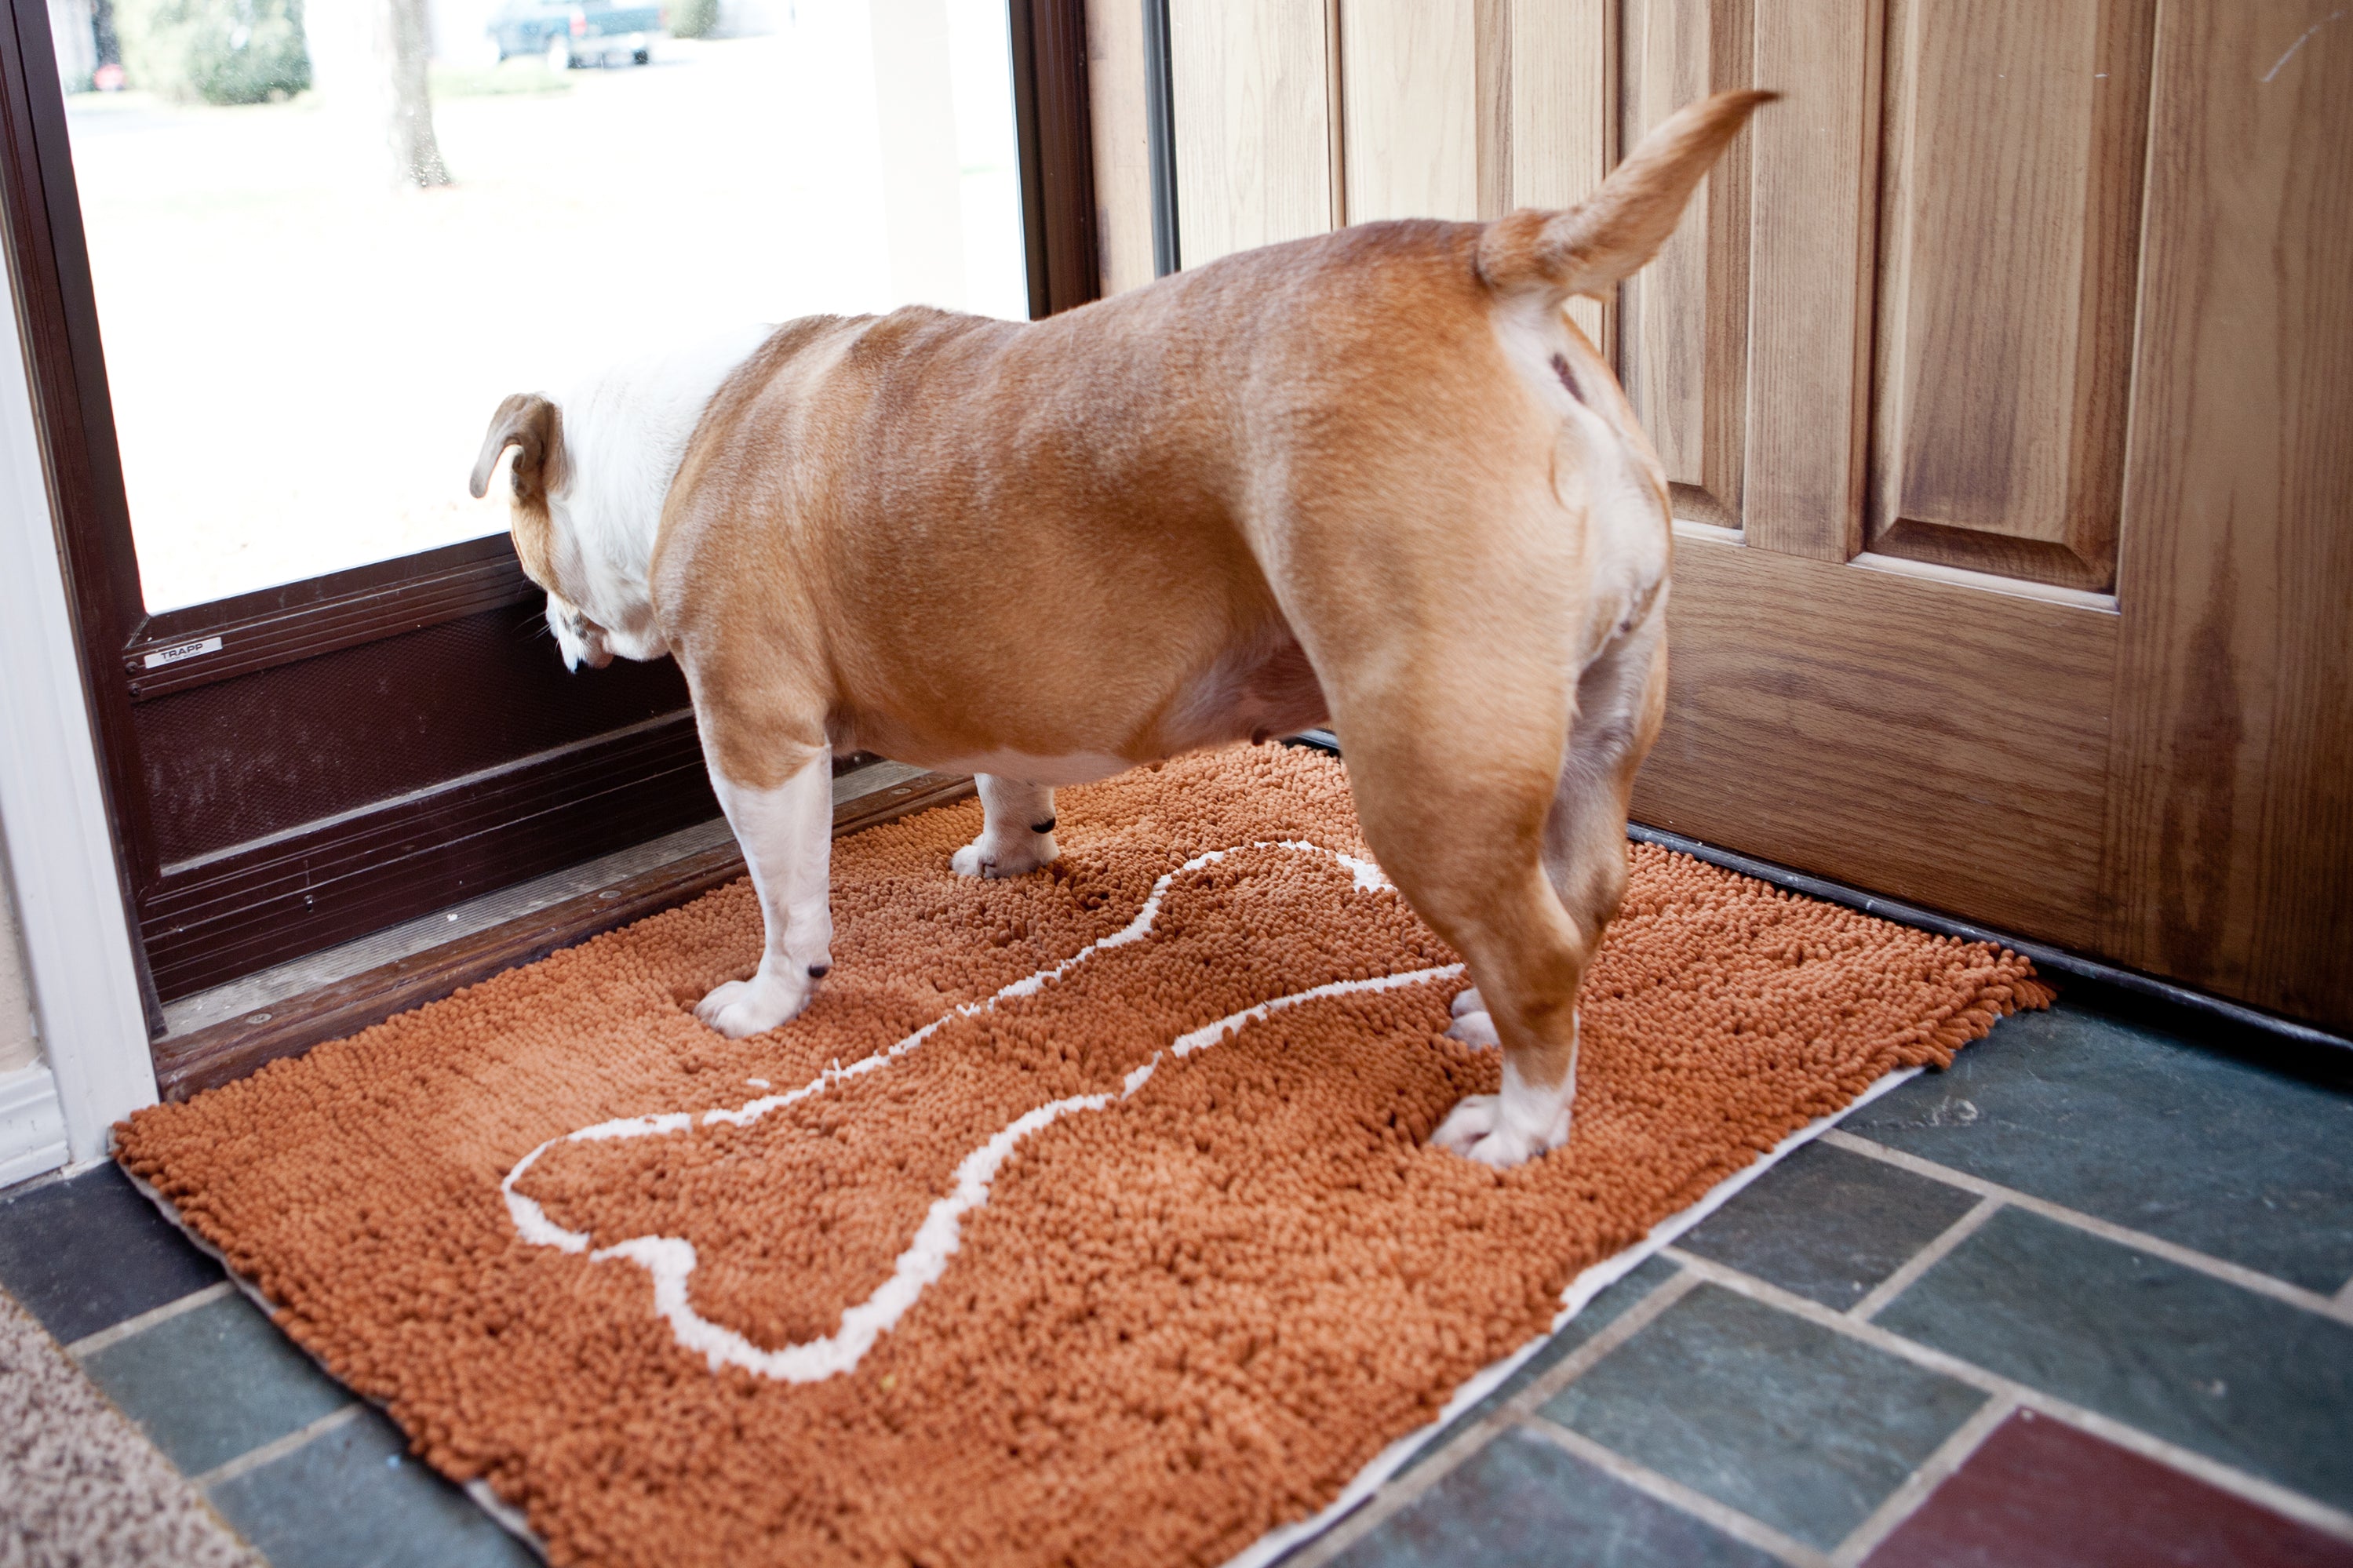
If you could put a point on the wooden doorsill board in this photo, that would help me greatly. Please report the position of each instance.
(219, 1053)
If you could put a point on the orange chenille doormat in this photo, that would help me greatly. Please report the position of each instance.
(1086, 1218)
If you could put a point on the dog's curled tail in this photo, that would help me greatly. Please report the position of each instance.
(1614, 232)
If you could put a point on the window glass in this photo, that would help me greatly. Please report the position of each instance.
(326, 242)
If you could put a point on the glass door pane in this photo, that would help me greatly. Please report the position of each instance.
(309, 317)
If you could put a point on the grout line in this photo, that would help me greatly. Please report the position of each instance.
(1899, 1505)
(90, 1344)
(2214, 1472)
(1393, 1496)
(1755, 1533)
(1928, 1257)
(1612, 1334)
(2340, 1308)
(1398, 1493)
(278, 1449)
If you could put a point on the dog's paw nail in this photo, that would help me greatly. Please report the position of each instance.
(1474, 1029)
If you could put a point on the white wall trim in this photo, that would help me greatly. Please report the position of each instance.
(53, 809)
(32, 1125)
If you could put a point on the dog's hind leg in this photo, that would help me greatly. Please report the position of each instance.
(1459, 824)
(786, 834)
(1621, 698)
(1017, 831)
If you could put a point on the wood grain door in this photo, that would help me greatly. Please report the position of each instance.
(1999, 374)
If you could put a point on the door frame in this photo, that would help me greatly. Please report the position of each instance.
(208, 917)
(71, 903)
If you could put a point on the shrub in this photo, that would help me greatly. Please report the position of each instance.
(222, 51)
(693, 19)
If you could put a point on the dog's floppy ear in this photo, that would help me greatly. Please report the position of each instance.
(535, 426)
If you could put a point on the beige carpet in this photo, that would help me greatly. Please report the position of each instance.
(80, 1487)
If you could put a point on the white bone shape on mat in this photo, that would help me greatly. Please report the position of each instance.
(670, 1259)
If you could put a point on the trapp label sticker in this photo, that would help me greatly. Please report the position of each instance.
(178, 651)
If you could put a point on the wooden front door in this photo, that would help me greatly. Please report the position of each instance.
(1999, 372)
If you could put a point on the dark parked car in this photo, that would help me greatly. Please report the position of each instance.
(577, 32)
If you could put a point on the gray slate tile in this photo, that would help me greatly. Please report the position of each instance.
(2242, 1378)
(1787, 1421)
(353, 1498)
(2147, 1130)
(1599, 1314)
(86, 1252)
(1522, 1503)
(1826, 1224)
(214, 1383)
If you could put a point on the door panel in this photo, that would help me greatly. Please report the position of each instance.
(2009, 216)
(2230, 805)
(243, 760)
(1939, 739)
(1941, 744)
(1999, 370)
(1253, 123)
(1683, 321)
(1816, 160)
(1559, 118)
(1411, 108)
(330, 881)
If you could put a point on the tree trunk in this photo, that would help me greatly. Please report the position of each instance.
(416, 153)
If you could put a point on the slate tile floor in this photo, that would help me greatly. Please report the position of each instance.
(310, 1476)
(2087, 1299)
(2084, 1300)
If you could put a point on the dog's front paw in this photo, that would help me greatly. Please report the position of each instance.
(983, 858)
(754, 1006)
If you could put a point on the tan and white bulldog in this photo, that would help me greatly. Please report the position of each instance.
(1375, 479)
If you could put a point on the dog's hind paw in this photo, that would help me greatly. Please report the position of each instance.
(754, 1006)
(1471, 1123)
(1503, 1129)
(1476, 1128)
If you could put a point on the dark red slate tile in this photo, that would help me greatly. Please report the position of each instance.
(2041, 1494)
